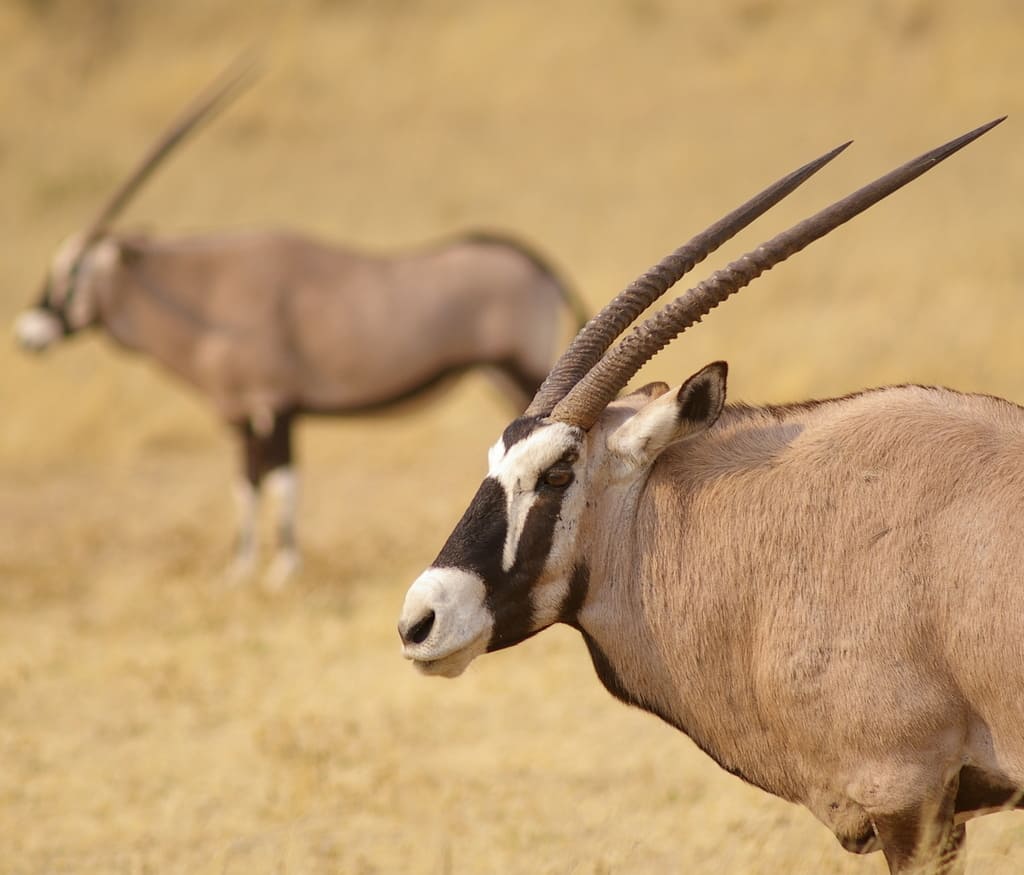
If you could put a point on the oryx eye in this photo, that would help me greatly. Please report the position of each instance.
(557, 477)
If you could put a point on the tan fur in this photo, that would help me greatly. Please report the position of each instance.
(827, 598)
(261, 322)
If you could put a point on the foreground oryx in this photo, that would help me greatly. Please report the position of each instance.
(828, 598)
(269, 325)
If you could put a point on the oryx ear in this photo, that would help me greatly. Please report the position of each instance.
(671, 417)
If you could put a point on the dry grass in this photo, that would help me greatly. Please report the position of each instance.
(151, 721)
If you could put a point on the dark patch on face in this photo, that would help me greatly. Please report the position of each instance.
(508, 596)
(46, 305)
(520, 428)
(478, 539)
(477, 545)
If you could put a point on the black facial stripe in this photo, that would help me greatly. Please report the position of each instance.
(510, 600)
(519, 429)
(47, 306)
(477, 542)
(477, 545)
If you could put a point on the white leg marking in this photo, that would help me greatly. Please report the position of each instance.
(283, 566)
(247, 502)
(283, 486)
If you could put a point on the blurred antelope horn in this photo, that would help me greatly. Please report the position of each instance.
(584, 402)
(216, 96)
(601, 331)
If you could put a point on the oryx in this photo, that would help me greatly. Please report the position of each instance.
(827, 597)
(268, 325)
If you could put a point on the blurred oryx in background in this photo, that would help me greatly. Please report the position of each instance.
(268, 324)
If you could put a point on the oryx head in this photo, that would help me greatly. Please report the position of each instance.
(515, 563)
(68, 300)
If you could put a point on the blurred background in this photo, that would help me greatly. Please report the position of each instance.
(153, 721)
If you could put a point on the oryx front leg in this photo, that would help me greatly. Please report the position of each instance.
(282, 484)
(278, 476)
(247, 504)
(267, 451)
(925, 839)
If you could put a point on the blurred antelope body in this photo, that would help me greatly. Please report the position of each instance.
(268, 325)
(825, 597)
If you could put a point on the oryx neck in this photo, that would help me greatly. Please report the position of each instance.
(174, 304)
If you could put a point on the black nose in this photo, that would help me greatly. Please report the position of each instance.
(418, 632)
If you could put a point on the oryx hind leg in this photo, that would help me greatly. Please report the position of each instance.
(924, 840)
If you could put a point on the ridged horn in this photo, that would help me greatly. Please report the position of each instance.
(602, 330)
(216, 96)
(584, 402)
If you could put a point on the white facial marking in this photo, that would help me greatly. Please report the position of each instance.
(37, 329)
(80, 309)
(517, 469)
(462, 623)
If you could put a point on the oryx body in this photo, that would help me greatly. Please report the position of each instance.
(267, 325)
(270, 323)
(826, 597)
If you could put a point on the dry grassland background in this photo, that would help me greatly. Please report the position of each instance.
(152, 721)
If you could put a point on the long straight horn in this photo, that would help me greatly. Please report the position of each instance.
(585, 401)
(227, 86)
(602, 330)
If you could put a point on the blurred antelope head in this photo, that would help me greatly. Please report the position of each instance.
(85, 262)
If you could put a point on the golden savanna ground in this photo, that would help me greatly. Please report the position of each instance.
(152, 720)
